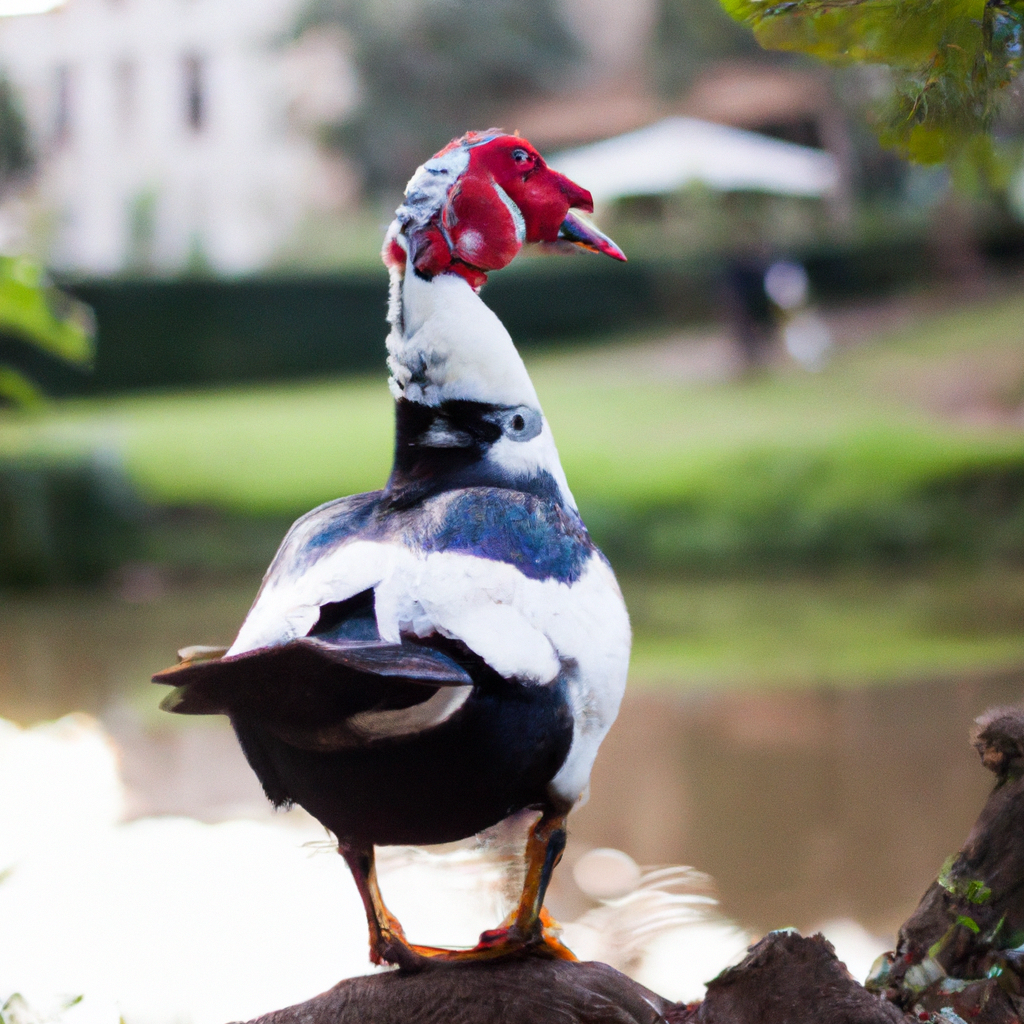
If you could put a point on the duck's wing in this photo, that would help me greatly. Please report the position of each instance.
(351, 547)
(323, 691)
(329, 556)
(309, 663)
(512, 576)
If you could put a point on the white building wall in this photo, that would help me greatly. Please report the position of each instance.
(229, 193)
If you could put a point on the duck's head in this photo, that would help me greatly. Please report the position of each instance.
(471, 207)
(467, 411)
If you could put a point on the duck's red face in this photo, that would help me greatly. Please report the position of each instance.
(504, 196)
(544, 196)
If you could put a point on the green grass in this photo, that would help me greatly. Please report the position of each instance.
(840, 629)
(872, 455)
(271, 450)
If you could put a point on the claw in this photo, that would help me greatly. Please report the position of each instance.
(528, 931)
(509, 941)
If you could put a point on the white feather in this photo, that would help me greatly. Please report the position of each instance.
(446, 344)
(522, 627)
(453, 347)
(428, 188)
(527, 458)
(406, 721)
(288, 607)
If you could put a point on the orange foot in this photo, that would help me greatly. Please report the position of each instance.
(506, 941)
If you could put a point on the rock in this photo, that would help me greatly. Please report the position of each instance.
(789, 979)
(520, 991)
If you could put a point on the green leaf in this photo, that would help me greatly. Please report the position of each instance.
(31, 308)
(950, 60)
(974, 890)
(17, 389)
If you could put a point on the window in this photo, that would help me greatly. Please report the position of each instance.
(62, 104)
(125, 88)
(195, 92)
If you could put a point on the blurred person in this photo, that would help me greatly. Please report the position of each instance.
(749, 310)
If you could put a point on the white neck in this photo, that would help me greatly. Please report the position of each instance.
(445, 345)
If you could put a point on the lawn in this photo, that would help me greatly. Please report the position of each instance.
(879, 450)
(840, 628)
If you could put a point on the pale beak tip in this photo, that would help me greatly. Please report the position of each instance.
(589, 237)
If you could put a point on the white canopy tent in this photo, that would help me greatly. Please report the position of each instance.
(670, 154)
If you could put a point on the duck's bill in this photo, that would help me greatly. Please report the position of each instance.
(576, 230)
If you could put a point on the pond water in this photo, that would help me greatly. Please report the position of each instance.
(805, 803)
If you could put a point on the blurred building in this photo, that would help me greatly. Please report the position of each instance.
(171, 133)
(181, 135)
(791, 103)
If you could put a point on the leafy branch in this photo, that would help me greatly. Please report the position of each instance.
(34, 312)
(950, 61)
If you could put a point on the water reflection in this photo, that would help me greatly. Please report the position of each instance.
(805, 805)
(95, 651)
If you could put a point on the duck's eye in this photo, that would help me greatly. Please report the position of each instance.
(520, 155)
(520, 423)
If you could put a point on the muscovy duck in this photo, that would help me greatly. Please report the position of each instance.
(424, 661)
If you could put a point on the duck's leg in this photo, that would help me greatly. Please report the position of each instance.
(529, 925)
(527, 929)
(544, 848)
(388, 944)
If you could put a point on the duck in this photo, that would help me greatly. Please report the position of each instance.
(426, 661)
